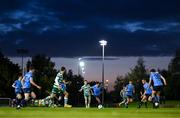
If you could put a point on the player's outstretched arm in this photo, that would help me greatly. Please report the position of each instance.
(91, 92)
(164, 80)
(13, 85)
(80, 90)
(34, 84)
(22, 81)
(150, 81)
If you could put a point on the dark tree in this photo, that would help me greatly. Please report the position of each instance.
(138, 72)
(8, 74)
(75, 97)
(174, 81)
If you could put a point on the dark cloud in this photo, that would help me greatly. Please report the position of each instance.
(10, 5)
(121, 9)
(73, 27)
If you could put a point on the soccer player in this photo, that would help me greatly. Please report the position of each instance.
(155, 77)
(97, 90)
(27, 81)
(86, 88)
(59, 87)
(130, 90)
(123, 95)
(146, 96)
(18, 90)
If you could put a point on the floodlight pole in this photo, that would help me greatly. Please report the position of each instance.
(103, 43)
(103, 74)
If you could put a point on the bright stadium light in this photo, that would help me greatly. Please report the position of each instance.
(81, 64)
(103, 42)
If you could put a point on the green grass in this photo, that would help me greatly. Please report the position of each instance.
(39, 112)
(131, 112)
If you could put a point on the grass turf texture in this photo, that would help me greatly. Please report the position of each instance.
(39, 112)
(131, 112)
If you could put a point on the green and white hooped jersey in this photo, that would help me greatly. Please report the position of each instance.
(58, 80)
(86, 89)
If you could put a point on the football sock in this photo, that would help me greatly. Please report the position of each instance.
(65, 100)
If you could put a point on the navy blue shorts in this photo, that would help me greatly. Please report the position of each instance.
(27, 90)
(130, 96)
(98, 96)
(147, 95)
(18, 92)
(158, 88)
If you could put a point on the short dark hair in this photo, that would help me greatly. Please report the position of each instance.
(130, 80)
(97, 82)
(63, 68)
(153, 70)
(31, 68)
(20, 74)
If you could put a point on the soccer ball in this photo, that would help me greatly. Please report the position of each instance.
(156, 104)
(100, 106)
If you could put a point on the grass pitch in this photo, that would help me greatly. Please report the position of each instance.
(39, 112)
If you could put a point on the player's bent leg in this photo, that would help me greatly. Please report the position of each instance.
(18, 100)
(18, 96)
(52, 96)
(89, 101)
(98, 100)
(33, 97)
(150, 98)
(26, 98)
(153, 96)
(131, 100)
(143, 100)
(86, 101)
(128, 101)
(158, 96)
(66, 94)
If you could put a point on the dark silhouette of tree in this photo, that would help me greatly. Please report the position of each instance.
(75, 97)
(168, 89)
(8, 74)
(138, 72)
(174, 80)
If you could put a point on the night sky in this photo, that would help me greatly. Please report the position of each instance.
(70, 28)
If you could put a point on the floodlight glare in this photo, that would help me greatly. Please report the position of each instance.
(81, 64)
(103, 42)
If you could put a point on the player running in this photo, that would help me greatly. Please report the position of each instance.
(86, 88)
(59, 87)
(146, 96)
(97, 90)
(130, 90)
(123, 96)
(155, 77)
(26, 83)
(17, 85)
